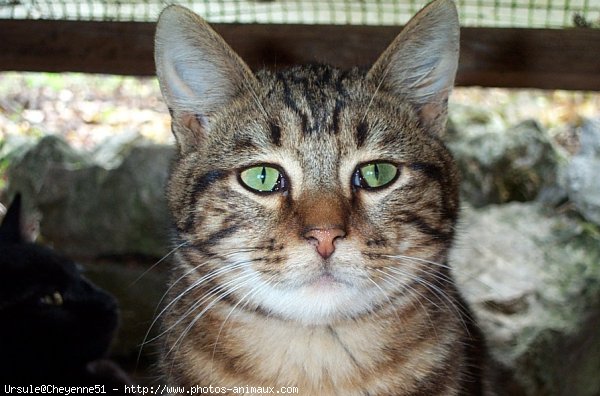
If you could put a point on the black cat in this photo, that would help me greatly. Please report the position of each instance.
(55, 326)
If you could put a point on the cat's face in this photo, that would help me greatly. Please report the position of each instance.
(53, 319)
(312, 194)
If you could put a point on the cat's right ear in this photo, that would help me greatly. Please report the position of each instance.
(10, 230)
(197, 71)
(420, 64)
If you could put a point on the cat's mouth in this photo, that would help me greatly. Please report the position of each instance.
(325, 279)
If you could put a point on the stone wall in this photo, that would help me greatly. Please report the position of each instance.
(527, 256)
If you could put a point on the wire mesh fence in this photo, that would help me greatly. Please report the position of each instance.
(488, 13)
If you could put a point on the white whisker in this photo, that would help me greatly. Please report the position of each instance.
(412, 290)
(211, 275)
(247, 278)
(176, 248)
(245, 298)
(422, 260)
(387, 69)
(384, 294)
(440, 294)
(255, 97)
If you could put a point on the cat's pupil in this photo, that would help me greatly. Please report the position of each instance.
(263, 175)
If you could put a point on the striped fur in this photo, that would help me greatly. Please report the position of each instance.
(251, 301)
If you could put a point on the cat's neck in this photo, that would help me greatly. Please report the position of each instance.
(325, 359)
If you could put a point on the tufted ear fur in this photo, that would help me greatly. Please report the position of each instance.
(197, 71)
(420, 64)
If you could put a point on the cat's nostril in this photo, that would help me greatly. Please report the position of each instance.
(324, 239)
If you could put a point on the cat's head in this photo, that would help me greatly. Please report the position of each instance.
(52, 318)
(311, 194)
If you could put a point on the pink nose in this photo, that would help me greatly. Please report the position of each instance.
(324, 239)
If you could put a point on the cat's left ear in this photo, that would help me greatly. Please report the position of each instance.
(198, 73)
(10, 230)
(420, 65)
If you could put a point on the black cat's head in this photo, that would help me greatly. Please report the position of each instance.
(52, 319)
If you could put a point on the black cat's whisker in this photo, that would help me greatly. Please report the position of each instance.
(176, 248)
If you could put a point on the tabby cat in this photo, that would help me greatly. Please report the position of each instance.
(314, 209)
(55, 326)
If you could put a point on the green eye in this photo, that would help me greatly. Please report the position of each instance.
(375, 175)
(262, 178)
(52, 299)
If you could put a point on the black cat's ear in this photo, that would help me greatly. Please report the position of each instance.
(420, 64)
(197, 71)
(10, 230)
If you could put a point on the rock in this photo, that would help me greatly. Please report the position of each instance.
(583, 173)
(91, 210)
(533, 280)
(115, 148)
(502, 165)
(29, 159)
(464, 120)
(14, 146)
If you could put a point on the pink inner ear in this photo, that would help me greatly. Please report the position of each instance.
(196, 123)
(434, 115)
(197, 129)
(190, 130)
(430, 111)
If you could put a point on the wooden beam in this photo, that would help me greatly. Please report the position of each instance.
(491, 57)
(530, 58)
(68, 46)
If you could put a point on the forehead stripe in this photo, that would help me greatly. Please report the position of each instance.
(275, 133)
(361, 133)
(339, 105)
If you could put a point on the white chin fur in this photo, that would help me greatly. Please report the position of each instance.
(296, 298)
(316, 302)
(320, 304)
